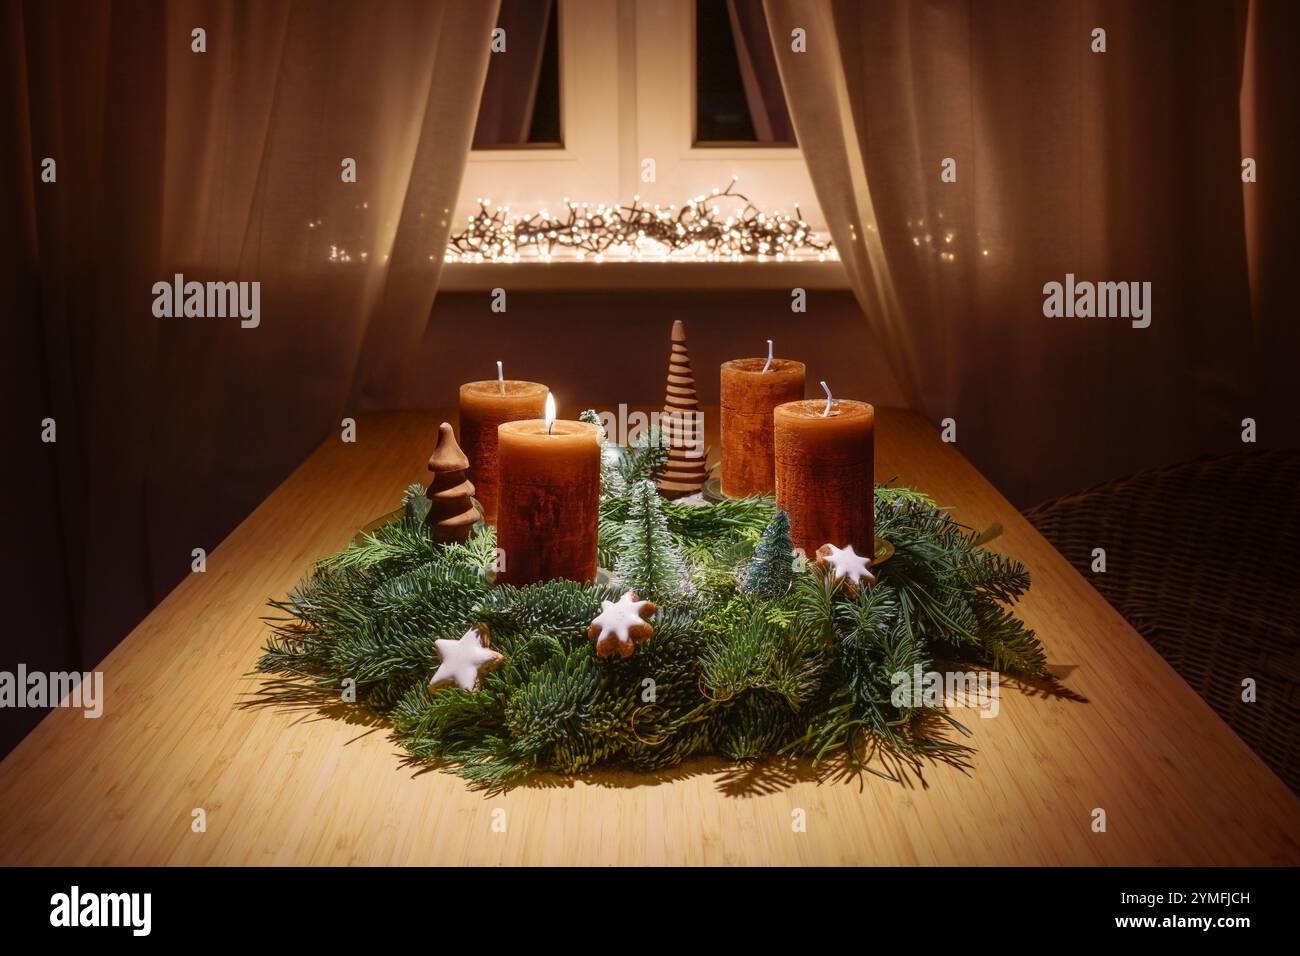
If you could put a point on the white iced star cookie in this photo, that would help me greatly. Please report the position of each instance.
(464, 662)
(844, 564)
(621, 625)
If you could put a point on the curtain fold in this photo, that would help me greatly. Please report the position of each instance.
(219, 165)
(505, 114)
(1114, 166)
(758, 72)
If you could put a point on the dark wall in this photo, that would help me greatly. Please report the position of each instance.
(602, 348)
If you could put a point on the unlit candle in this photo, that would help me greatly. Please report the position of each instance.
(825, 480)
(483, 407)
(751, 389)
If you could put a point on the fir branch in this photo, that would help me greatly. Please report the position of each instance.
(415, 503)
(790, 663)
(644, 458)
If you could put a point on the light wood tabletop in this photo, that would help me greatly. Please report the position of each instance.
(301, 787)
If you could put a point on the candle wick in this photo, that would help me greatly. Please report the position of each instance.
(829, 400)
(550, 426)
(768, 363)
(501, 378)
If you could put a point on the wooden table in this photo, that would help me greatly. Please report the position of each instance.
(279, 787)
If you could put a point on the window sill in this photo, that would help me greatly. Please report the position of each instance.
(658, 276)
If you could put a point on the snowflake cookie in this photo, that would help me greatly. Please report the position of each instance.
(464, 662)
(621, 625)
(844, 564)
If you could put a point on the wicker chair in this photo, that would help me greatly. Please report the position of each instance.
(1203, 559)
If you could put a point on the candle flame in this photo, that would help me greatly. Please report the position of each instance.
(550, 412)
(501, 378)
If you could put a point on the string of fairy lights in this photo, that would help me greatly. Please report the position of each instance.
(721, 226)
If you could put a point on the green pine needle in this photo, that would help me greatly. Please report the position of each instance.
(752, 656)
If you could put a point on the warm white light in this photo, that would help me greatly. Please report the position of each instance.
(600, 232)
(550, 412)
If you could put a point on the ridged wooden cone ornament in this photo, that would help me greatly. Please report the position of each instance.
(683, 429)
(452, 514)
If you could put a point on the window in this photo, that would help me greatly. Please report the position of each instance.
(665, 99)
(738, 95)
(520, 107)
(580, 158)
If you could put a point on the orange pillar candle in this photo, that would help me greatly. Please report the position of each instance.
(751, 389)
(549, 499)
(825, 467)
(483, 407)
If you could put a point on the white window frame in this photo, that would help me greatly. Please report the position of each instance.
(586, 165)
(775, 178)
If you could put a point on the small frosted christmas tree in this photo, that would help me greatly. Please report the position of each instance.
(771, 569)
(648, 561)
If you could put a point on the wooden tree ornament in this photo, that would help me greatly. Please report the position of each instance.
(682, 425)
(452, 514)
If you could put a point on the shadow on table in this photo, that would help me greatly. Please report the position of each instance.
(1054, 688)
(877, 756)
(312, 705)
(763, 776)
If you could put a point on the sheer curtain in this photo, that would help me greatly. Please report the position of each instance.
(220, 165)
(1123, 165)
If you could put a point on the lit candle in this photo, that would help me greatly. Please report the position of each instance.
(825, 464)
(751, 390)
(484, 406)
(549, 499)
